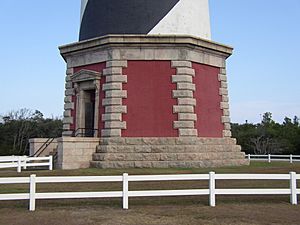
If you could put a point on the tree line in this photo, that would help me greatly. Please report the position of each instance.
(17, 127)
(266, 137)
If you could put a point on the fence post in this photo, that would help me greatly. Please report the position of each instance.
(293, 187)
(249, 157)
(32, 192)
(269, 158)
(19, 168)
(50, 162)
(212, 187)
(291, 158)
(125, 191)
(25, 162)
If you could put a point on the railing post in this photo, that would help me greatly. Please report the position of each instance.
(269, 158)
(19, 168)
(51, 162)
(125, 191)
(25, 162)
(212, 187)
(249, 157)
(291, 158)
(32, 192)
(293, 187)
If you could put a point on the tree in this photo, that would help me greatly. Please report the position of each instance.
(21, 125)
(269, 137)
(243, 133)
(267, 119)
(296, 121)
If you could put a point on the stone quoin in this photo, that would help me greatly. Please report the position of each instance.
(146, 87)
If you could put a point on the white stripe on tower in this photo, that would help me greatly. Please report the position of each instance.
(188, 17)
(83, 6)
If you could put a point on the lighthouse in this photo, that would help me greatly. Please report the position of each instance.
(167, 17)
(146, 87)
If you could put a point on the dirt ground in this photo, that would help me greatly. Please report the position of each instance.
(189, 214)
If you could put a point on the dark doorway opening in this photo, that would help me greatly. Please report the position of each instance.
(89, 113)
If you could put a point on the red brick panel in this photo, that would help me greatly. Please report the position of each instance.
(149, 99)
(208, 109)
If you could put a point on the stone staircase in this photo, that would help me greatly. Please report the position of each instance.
(167, 153)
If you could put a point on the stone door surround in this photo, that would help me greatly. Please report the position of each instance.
(85, 80)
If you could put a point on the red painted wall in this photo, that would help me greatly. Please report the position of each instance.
(98, 67)
(149, 101)
(208, 110)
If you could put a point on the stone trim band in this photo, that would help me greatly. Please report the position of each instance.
(68, 104)
(185, 98)
(114, 93)
(224, 105)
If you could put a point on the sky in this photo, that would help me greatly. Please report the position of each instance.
(263, 72)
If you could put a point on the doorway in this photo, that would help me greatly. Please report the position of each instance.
(89, 113)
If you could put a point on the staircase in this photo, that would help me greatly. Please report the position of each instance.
(42, 149)
(167, 153)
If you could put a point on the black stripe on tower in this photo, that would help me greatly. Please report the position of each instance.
(102, 17)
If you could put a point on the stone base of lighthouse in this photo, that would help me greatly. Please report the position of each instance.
(147, 101)
(167, 152)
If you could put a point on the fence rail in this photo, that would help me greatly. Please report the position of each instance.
(20, 162)
(269, 158)
(125, 193)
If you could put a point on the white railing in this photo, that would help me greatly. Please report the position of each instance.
(269, 158)
(20, 162)
(212, 191)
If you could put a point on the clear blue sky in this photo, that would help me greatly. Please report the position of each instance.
(264, 71)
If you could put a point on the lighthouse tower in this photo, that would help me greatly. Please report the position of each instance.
(167, 17)
(146, 87)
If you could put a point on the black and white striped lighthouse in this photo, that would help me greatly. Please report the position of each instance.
(180, 17)
(146, 87)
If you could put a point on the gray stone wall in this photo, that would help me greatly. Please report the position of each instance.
(68, 104)
(114, 94)
(185, 152)
(36, 143)
(75, 152)
(186, 102)
(224, 105)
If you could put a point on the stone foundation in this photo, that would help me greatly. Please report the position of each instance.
(167, 153)
(75, 152)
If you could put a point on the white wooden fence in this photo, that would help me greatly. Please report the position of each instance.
(20, 162)
(269, 158)
(212, 191)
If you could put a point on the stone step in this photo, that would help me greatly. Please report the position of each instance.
(168, 141)
(169, 164)
(166, 148)
(167, 156)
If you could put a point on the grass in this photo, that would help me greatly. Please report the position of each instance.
(158, 210)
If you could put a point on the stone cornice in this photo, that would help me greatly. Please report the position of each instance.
(145, 41)
(85, 75)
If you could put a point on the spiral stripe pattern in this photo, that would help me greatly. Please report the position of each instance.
(182, 17)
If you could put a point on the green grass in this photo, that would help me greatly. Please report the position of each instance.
(255, 167)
